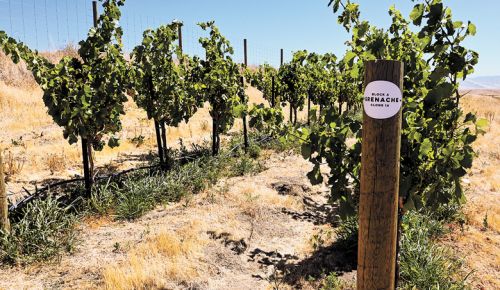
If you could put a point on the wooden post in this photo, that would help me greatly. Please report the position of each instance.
(245, 59)
(243, 99)
(245, 130)
(281, 57)
(273, 96)
(4, 208)
(308, 108)
(94, 10)
(380, 165)
(179, 29)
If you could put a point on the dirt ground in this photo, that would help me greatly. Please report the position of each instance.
(234, 236)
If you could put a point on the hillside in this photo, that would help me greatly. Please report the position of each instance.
(481, 83)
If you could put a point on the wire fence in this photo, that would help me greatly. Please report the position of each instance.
(48, 25)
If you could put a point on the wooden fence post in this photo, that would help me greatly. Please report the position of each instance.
(245, 130)
(281, 57)
(308, 108)
(95, 13)
(380, 166)
(179, 31)
(273, 94)
(4, 208)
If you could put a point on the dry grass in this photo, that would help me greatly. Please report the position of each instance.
(55, 162)
(160, 261)
(484, 177)
(483, 194)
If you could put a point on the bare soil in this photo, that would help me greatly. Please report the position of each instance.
(250, 229)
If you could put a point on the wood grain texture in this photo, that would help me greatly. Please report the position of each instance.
(379, 188)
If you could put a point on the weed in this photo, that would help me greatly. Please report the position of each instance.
(347, 234)
(254, 151)
(277, 277)
(13, 165)
(319, 239)
(448, 213)
(245, 166)
(423, 263)
(55, 163)
(43, 232)
(138, 140)
(18, 142)
(135, 198)
(102, 198)
(485, 222)
(242, 166)
(204, 126)
(332, 282)
(116, 247)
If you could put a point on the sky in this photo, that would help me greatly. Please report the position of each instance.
(269, 25)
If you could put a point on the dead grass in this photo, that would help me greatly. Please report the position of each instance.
(55, 162)
(484, 179)
(477, 244)
(164, 259)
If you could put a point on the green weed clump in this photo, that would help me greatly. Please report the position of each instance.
(333, 282)
(243, 166)
(424, 263)
(44, 231)
(347, 235)
(140, 192)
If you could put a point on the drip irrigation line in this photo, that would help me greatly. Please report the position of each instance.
(44, 191)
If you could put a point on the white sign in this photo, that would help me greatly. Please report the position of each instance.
(382, 99)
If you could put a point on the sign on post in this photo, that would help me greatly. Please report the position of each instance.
(378, 205)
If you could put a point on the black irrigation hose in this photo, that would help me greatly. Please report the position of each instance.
(40, 193)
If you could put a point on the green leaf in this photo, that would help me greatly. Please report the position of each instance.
(349, 56)
(306, 150)
(439, 92)
(425, 148)
(417, 13)
(471, 29)
(113, 142)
